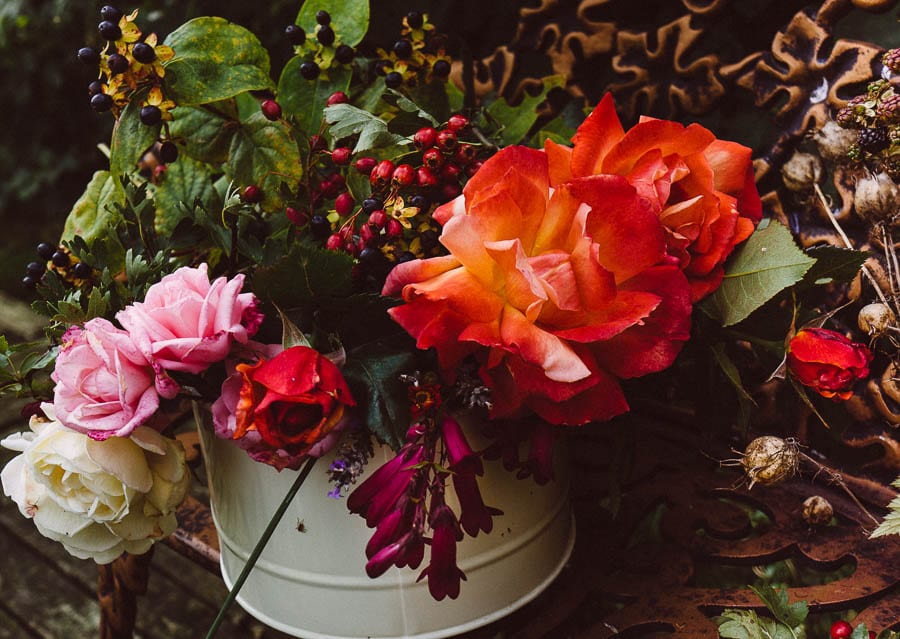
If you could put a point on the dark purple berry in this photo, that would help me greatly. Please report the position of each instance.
(29, 282)
(110, 13)
(89, 56)
(95, 87)
(393, 80)
(117, 63)
(405, 256)
(109, 30)
(370, 204)
(45, 251)
(35, 269)
(143, 52)
(323, 18)
(320, 226)
(873, 140)
(83, 271)
(419, 201)
(325, 35)
(344, 54)
(295, 34)
(101, 102)
(309, 70)
(403, 48)
(441, 68)
(168, 152)
(414, 19)
(151, 115)
(60, 259)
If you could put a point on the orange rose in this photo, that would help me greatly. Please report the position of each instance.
(701, 188)
(558, 292)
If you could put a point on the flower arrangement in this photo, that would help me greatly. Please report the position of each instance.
(353, 253)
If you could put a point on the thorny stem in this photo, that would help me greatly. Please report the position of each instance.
(847, 242)
(836, 478)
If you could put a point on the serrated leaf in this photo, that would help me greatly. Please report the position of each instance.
(95, 210)
(130, 139)
(98, 304)
(400, 101)
(791, 615)
(349, 18)
(891, 523)
(264, 153)
(303, 275)
(303, 99)
(860, 632)
(833, 265)
(185, 182)
(767, 263)
(347, 120)
(214, 60)
(739, 624)
(518, 120)
(205, 132)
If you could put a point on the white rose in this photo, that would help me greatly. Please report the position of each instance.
(98, 498)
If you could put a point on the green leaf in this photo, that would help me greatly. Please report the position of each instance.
(131, 138)
(733, 374)
(185, 182)
(739, 624)
(347, 120)
(303, 99)
(291, 335)
(95, 211)
(518, 120)
(891, 523)
(767, 263)
(833, 265)
(791, 615)
(214, 60)
(349, 18)
(264, 153)
(860, 632)
(303, 275)
(400, 101)
(205, 132)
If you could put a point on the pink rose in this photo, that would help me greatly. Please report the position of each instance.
(185, 323)
(104, 384)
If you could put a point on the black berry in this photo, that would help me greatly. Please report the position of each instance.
(29, 282)
(168, 152)
(419, 201)
(370, 204)
(60, 259)
(151, 115)
(35, 269)
(83, 271)
(309, 70)
(323, 18)
(403, 48)
(117, 63)
(295, 34)
(109, 30)
(88, 55)
(320, 226)
(325, 35)
(405, 256)
(95, 87)
(110, 13)
(873, 140)
(414, 19)
(393, 80)
(344, 54)
(45, 251)
(101, 102)
(143, 52)
(441, 68)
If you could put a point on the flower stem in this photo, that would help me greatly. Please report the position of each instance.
(260, 545)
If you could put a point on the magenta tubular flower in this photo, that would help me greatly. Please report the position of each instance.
(443, 574)
(406, 551)
(379, 494)
(474, 515)
(459, 453)
(540, 456)
(389, 529)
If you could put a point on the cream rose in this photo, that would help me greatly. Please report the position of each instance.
(98, 498)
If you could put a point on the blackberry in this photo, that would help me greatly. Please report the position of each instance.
(151, 115)
(414, 20)
(891, 59)
(89, 56)
(117, 63)
(873, 140)
(101, 102)
(344, 54)
(143, 52)
(109, 30)
(403, 48)
(325, 36)
(441, 68)
(309, 70)
(393, 80)
(295, 34)
(110, 13)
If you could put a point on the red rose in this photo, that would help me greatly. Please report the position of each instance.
(293, 401)
(827, 361)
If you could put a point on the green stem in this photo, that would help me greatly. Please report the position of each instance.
(260, 545)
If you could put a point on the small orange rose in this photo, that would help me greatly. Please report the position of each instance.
(827, 361)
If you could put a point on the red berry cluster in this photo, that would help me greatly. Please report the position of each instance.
(841, 629)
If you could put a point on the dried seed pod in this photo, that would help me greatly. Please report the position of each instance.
(834, 141)
(817, 511)
(875, 318)
(768, 460)
(877, 198)
(802, 171)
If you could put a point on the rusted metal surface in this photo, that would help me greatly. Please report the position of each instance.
(118, 586)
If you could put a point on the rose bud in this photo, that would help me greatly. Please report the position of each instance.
(827, 361)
